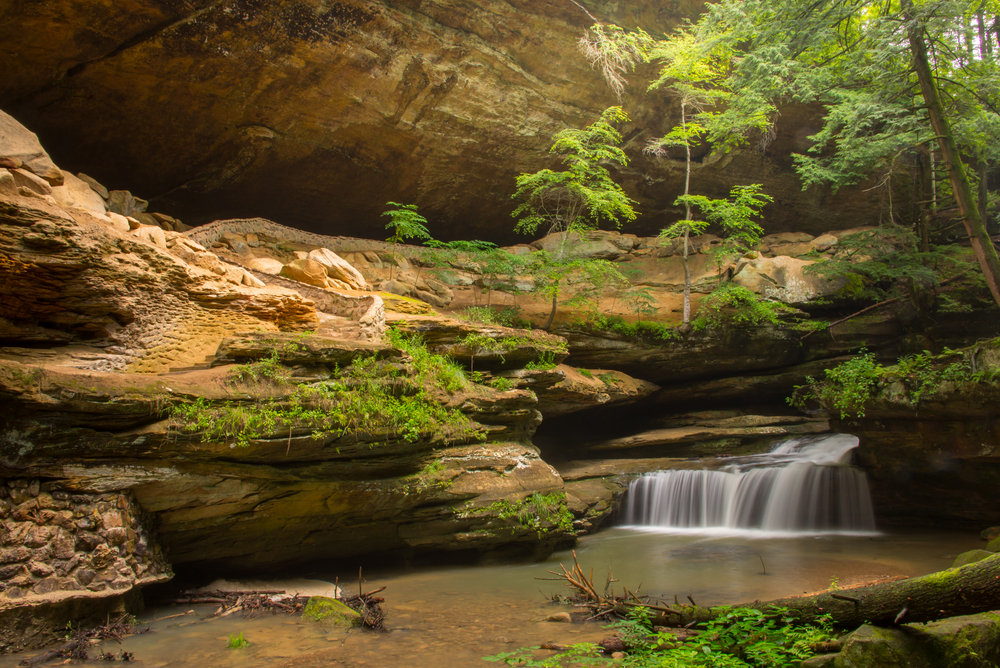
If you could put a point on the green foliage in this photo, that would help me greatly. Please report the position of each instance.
(641, 331)
(507, 316)
(478, 343)
(609, 379)
(503, 384)
(847, 387)
(586, 373)
(736, 638)
(553, 274)
(583, 195)
(405, 223)
(613, 52)
(732, 305)
(368, 397)
(237, 641)
(546, 362)
(499, 269)
(540, 512)
(885, 262)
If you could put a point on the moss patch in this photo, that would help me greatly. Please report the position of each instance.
(330, 611)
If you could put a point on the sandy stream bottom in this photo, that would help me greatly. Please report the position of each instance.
(455, 616)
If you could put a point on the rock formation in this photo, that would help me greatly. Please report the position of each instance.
(314, 114)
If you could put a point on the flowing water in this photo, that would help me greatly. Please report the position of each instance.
(793, 521)
(803, 485)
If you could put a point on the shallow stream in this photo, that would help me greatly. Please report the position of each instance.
(454, 616)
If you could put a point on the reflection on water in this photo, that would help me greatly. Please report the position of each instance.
(455, 616)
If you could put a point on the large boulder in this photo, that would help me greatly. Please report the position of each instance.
(338, 269)
(594, 244)
(784, 279)
(306, 271)
(20, 144)
(267, 265)
(26, 179)
(78, 194)
(971, 641)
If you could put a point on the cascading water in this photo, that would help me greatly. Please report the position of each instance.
(801, 485)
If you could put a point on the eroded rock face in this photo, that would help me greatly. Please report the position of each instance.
(223, 109)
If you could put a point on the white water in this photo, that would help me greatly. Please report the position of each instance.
(804, 485)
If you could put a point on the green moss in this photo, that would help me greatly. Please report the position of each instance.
(330, 611)
(542, 513)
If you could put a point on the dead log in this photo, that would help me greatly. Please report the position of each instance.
(966, 590)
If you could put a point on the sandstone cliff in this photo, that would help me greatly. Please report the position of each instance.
(314, 114)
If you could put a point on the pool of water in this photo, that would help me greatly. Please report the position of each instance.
(454, 616)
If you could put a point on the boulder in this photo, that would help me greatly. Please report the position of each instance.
(236, 242)
(25, 179)
(330, 611)
(990, 534)
(8, 187)
(253, 241)
(123, 202)
(94, 185)
(397, 288)
(968, 641)
(970, 557)
(267, 265)
(993, 545)
(17, 142)
(824, 242)
(150, 234)
(78, 194)
(119, 222)
(196, 255)
(337, 268)
(252, 281)
(784, 279)
(593, 244)
(306, 271)
(783, 238)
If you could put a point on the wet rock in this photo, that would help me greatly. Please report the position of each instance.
(970, 557)
(990, 534)
(563, 617)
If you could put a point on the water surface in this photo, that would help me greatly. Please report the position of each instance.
(454, 616)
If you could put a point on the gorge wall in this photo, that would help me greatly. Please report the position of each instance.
(314, 113)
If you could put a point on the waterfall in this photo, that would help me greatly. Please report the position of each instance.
(801, 485)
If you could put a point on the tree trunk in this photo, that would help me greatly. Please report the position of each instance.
(967, 204)
(957, 591)
(687, 280)
(552, 313)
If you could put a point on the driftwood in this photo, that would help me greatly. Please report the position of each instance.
(966, 590)
(604, 604)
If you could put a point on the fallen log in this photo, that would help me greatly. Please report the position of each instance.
(966, 590)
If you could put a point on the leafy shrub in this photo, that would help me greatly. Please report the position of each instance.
(546, 362)
(643, 330)
(737, 638)
(507, 316)
(541, 512)
(735, 306)
(237, 641)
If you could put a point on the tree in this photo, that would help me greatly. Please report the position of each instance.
(893, 78)
(583, 195)
(553, 274)
(735, 216)
(696, 74)
(405, 223)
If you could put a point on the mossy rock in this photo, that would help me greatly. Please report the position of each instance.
(990, 534)
(971, 557)
(407, 305)
(331, 611)
(993, 545)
